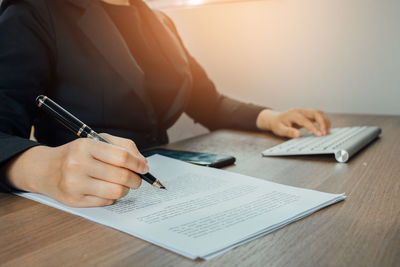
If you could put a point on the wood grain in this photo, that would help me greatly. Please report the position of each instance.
(364, 230)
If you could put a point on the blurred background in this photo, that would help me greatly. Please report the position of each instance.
(340, 56)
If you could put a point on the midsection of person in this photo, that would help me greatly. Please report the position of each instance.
(115, 89)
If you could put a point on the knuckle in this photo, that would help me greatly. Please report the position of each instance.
(124, 157)
(69, 183)
(80, 146)
(70, 164)
(118, 192)
(125, 177)
(130, 144)
(81, 143)
(138, 165)
(298, 117)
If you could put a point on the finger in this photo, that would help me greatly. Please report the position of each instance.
(321, 122)
(93, 201)
(117, 156)
(123, 142)
(103, 189)
(287, 131)
(327, 122)
(303, 121)
(113, 174)
(320, 117)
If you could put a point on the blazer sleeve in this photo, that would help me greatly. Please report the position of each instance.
(210, 108)
(216, 111)
(25, 68)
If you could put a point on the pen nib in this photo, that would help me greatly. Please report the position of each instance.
(159, 185)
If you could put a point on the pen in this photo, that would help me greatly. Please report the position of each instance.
(82, 130)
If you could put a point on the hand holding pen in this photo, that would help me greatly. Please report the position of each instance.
(84, 172)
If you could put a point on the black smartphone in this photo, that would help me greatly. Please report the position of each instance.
(203, 159)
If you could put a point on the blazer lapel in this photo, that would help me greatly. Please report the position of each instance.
(99, 28)
(174, 51)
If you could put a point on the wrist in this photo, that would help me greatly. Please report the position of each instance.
(29, 170)
(265, 119)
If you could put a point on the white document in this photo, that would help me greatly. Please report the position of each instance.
(205, 211)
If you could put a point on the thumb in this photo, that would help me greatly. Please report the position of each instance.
(287, 131)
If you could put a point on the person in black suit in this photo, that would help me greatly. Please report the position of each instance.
(122, 68)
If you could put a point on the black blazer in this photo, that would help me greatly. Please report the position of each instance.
(71, 51)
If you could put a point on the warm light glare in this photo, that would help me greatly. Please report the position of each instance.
(195, 2)
(177, 3)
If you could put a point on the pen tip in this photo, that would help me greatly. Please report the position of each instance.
(159, 185)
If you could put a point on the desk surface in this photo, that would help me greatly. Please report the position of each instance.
(364, 230)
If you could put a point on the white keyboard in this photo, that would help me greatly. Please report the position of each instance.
(342, 142)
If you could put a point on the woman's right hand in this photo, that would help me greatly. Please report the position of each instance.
(82, 173)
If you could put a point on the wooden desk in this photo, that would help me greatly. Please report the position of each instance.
(364, 230)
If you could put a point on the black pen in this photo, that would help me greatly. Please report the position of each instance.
(82, 130)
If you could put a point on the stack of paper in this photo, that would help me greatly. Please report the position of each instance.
(205, 211)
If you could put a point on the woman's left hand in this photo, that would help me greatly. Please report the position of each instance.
(288, 123)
